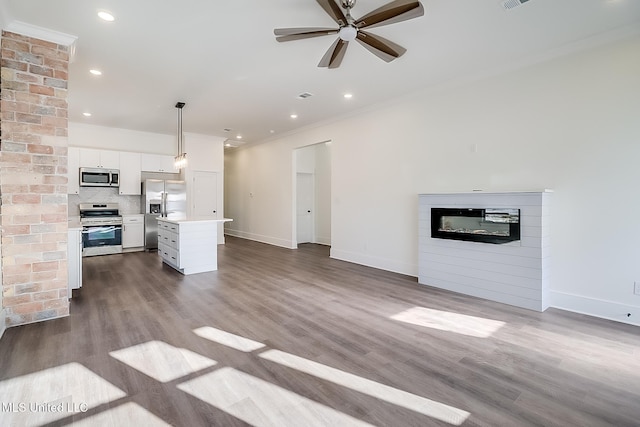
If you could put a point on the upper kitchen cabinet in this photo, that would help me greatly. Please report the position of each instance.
(73, 170)
(158, 163)
(130, 176)
(92, 158)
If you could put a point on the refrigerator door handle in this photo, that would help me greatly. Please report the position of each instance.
(163, 206)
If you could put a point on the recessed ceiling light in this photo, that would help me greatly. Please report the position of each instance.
(238, 136)
(95, 72)
(86, 114)
(294, 116)
(272, 131)
(106, 16)
(227, 145)
(348, 95)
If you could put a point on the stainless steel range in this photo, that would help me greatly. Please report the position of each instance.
(101, 229)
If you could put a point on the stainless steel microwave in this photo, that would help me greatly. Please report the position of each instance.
(99, 177)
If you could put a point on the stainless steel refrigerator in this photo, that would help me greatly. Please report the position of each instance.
(161, 198)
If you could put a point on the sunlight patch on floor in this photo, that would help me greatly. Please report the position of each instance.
(128, 414)
(448, 321)
(161, 361)
(228, 339)
(53, 394)
(401, 398)
(261, 403)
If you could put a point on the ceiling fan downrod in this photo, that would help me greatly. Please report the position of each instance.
(348, 4)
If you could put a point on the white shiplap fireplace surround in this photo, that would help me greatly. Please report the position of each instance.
(515, 273)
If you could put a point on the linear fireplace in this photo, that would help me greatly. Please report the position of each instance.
(489, 225)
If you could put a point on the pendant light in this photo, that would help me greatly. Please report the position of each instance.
(181, 158)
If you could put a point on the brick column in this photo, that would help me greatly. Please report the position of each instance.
(33, 179)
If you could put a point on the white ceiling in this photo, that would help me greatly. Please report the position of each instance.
(221, 57)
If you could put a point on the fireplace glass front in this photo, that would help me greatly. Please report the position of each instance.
(497, 225)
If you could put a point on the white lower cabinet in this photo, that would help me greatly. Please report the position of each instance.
(189, 246)
(74, 259)
(133, 231)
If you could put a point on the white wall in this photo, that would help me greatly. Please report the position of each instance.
(91, 136)
(570, 124)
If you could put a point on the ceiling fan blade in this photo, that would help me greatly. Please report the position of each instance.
(390, 13)
(334, 11)
(333, 57)
(379, 46)
(289, 34)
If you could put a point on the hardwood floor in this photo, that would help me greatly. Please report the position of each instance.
(281, 337)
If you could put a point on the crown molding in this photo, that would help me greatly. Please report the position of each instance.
(45, 34)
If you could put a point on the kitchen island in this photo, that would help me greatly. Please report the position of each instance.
(189, 245)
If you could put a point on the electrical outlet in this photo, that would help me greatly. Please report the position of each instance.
(636, 288)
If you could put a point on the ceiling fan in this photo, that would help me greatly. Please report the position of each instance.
(350, 29)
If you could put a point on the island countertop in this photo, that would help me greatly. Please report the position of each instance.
(184, 220)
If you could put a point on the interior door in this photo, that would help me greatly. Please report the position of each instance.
(304, 207)
(205, 194)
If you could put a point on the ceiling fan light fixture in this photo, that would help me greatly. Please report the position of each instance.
(348, 33)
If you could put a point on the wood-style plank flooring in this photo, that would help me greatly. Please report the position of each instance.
(280, 337)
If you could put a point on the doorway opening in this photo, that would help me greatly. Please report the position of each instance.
(312, 194)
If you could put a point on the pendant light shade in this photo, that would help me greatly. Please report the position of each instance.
(181, 157)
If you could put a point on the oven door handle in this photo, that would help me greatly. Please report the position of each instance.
(100, 229)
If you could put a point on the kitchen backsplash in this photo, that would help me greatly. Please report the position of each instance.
(127, 204)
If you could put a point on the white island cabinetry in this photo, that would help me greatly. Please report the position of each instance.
(189, 246)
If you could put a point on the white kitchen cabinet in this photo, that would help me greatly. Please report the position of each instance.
(133, 231)
(93, 158)
(73, 170)
(189, 246)
(130, 175)
(74, 259)
(158, 163)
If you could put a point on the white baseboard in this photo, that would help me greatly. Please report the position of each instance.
(376, 262)
(321, 240)
(609, 310)
(260, 238)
